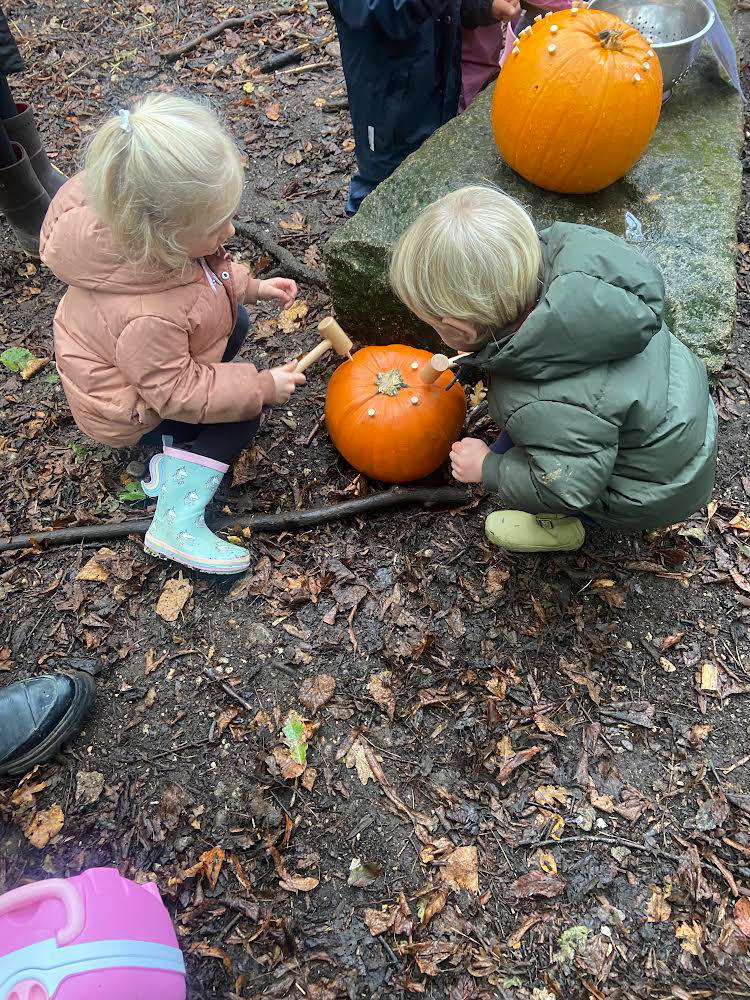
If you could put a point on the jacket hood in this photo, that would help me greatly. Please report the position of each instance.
(80, 250)
(600, 301)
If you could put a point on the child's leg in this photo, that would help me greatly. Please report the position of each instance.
(238, 335)
(7, 103)
(224, 442)
(180, 432)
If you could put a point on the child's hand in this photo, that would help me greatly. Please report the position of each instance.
(505, 10)
(286, 379)
(467, 457)
(283, 290)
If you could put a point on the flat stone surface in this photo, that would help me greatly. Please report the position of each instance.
(685, 190)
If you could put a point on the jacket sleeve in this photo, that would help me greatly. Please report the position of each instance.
(399, 19)
(154, 356)
(245, 285)
(562, 459)
(477, 14)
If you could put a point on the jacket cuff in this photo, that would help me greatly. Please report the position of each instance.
(251, 295)
(491, 471)
(267, 387)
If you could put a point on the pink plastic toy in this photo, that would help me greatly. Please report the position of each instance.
(93, 937)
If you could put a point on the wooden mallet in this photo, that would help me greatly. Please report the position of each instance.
(438, 364)
(333, 338)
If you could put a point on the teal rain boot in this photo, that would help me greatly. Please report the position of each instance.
(517, 531)
(185, 484)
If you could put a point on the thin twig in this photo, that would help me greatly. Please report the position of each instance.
(228, 690)
(308, 66)
(293, 520)
(632, 844)
(293, 267)
(318, 424)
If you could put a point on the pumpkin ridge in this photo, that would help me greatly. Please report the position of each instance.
(594, 133)
(546, 165)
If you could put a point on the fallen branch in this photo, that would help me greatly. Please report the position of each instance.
(280, 59)
(293, 520)
(231, 22)
(307, 67)
(293, 268)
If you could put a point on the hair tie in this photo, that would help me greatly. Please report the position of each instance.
(124, 119)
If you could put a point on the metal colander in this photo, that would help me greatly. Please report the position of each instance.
(675, 29)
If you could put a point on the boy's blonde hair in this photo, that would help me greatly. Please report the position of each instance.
(164, 171)
(474, 255)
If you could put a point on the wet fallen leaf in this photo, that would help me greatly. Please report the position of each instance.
(316, 692)
(381, 692)
(536, 883)
(429, 906)
(378, 921)
(295, 737)
(206, 950)
(226, 718)
(152, 663)
(357, 758)
(44, 826)
(93, 571)
(173, 598)
(461, 870)
(273, 111)
(712, 814)
(551, 795)
(291, 882)
(690, 936)
(742, 915)
(496, 580)
(289, 768)
(545, 725)
(547, 863)
(291, 319)
(514, 941)
(516, 761)
(658, 909)
(363, 873)
(478, 393)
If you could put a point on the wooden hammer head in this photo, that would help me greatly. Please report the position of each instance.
(332, 332)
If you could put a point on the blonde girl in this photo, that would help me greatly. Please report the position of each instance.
(154, 312)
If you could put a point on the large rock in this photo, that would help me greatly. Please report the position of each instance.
(686, 192)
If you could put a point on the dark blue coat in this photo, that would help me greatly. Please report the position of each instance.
(402, 63)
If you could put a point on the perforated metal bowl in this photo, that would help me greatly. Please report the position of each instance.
(675, 29)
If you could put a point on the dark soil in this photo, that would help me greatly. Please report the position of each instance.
(581, 721)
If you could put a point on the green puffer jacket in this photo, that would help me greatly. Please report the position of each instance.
(609, 413)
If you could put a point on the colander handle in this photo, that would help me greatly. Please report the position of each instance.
(53, 888)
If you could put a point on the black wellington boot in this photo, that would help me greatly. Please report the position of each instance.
(23, 201)
(22, 129)
(38, 715)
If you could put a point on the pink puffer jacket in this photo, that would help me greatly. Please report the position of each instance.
(134, 349)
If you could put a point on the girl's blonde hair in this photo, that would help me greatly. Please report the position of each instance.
(165, 171)
(474, 255)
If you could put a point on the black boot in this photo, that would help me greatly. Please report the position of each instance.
(38, 715)
(23, 201)
(22, 129)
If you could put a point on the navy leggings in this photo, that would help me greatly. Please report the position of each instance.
(504, 442)
(222, 442)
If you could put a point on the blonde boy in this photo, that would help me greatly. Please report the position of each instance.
(607, 417)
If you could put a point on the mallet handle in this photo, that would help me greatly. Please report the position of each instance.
(312, 356)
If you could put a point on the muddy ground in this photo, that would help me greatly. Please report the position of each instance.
(526, 777)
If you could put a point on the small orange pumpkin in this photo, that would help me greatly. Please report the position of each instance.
(385, 421)
(577, 101)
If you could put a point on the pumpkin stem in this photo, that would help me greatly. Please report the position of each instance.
(389, 383)
(611, 39)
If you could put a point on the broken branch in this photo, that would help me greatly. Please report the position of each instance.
(231, 22)
(293, 268)
(293, 520)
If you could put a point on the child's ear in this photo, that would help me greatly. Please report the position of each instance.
(465, 330)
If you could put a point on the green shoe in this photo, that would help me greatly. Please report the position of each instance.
(185, 484)
(517, 531)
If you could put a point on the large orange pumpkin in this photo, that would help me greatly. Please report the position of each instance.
(577, 101)
(385, 421)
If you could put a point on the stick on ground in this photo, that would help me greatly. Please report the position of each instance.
(231, 22)
(293, 268)
(293, 520)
